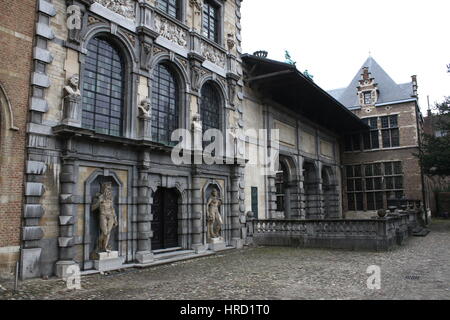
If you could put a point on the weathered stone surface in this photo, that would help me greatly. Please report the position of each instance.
(32, 233)
(33, 211)
(30, 263)
(34, 189)
(36, 167)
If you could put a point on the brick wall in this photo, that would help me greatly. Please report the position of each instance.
(405, 153)
(17, 23)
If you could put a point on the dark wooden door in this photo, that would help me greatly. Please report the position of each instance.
(165, 219)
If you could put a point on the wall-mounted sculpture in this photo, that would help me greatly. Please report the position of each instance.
(72, 102)
(214, 218)
(104, 204)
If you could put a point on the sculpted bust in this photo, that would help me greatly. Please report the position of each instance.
(104, 204)
(72, 89)
(145, 109)
(214, 218)
(196, 122)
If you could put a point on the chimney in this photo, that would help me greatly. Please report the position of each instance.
(429, 108)
(414, 85)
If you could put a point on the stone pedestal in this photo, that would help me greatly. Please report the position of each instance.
(199, 248)
(145, 257)
(71, 111)
(217, 244)
(108, 261)
(145, 129)
(62, 267)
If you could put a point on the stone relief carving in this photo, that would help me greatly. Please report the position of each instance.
(104, 204)
(197, 5)
(214, 218)
(230, 41)
(212, 54)
(170, 31)
(123, 7)
(92, 20)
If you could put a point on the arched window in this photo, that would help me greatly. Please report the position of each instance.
(165, 104)
(210, 107)
(103, 88)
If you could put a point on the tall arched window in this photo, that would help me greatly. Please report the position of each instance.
(103, 88)
(210, 107)
(165, 104)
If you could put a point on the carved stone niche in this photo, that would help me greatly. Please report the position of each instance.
(92, 232)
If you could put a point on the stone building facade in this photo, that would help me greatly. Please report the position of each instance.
(16, 41)
(380, 164)
(113, 80)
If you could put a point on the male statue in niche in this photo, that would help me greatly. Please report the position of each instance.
(214, 218)
(104, 203)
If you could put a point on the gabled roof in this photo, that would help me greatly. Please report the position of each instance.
(284, 84)
(389, 91)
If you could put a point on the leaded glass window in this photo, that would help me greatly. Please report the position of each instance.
(390, 132)
(211, 21)
(103, 88)
(210, 107)
(165, 105)
(171, 7)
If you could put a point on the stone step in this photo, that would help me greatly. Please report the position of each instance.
(167, 250)
(173, 254)
(178, 258)
(420, 232)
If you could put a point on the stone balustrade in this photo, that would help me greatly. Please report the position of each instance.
(369, 234)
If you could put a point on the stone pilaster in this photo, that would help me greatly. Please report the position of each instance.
(144, 218)
(197, 203)
(67, 217)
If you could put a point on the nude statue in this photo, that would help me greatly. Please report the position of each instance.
(214, 218)
(104, 203)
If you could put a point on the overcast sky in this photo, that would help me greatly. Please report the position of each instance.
(333, 38)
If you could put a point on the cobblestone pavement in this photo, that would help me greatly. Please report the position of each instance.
(418, 270)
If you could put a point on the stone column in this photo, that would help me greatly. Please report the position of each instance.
(301, 189)
(320, 196)
(67, 217)
(271, 196)
(144, 218)
(237, 206)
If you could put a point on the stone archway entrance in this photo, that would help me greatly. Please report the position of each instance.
(165, 219)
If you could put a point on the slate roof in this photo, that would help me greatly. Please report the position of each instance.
(389, 91)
